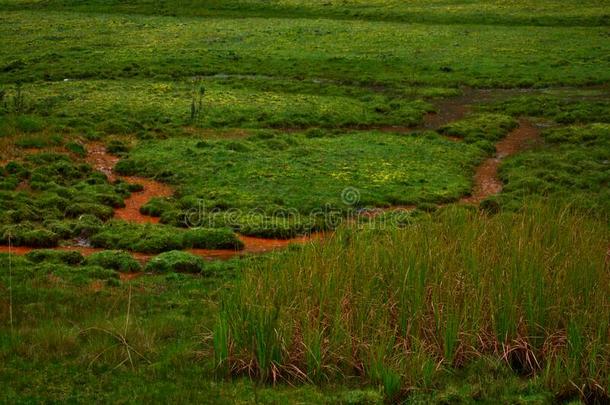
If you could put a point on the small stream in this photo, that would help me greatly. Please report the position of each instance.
(486, 183)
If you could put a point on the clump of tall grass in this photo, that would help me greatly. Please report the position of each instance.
(402, 307)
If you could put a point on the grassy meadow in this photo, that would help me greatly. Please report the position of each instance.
(368, 123)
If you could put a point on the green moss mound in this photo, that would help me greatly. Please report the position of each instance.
(50, 197)
(57, 256)
(481, 127)
(118, 260)
(149, 238)
(175, 261)
(210, 238)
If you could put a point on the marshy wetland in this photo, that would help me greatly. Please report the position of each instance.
(305, 202)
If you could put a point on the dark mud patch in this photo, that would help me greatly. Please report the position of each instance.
(447, 111)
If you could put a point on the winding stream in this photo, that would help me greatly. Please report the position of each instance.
(486, 183)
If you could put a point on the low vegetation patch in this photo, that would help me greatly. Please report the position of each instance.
(481, 128)
(59, 256)
(48, 197)
(176, 261)
(565, 108)
(149, 238)
(573, 166)
(114, 259)
(273, 182)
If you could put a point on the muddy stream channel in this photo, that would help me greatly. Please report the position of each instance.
(486, 183)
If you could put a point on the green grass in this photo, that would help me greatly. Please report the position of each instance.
(114, 259)
(177, 261)
(482, 127)
(59, 340)
(573, 165)
(149, 238)
(273, 173)
(125, 45)
(564, 107)
(403, 309)
(432, 305)
(156, 108)
(61, 348)
(523, 12)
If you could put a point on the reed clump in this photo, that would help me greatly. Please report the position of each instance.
(402, 308)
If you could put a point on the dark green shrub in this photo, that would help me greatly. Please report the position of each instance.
(237, 146)
(115, 127)
(113, 282)
(10, 183)
(87, 225)
(140, 238)
(173, 218)
(101, 273)
(111, 200)
(64, 229)
(135, 187)
(31, 142)
(29, 123)
(156, 242)
(32, 237)
(175, 261)
(204, 144)
(126, 167)
(490, 205)
(17, 169)
(76, 148)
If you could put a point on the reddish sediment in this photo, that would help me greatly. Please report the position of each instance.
(486, 183)
(129, 276)
(486, 180)
(252, 245)
(104, 162)
(131, 211)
